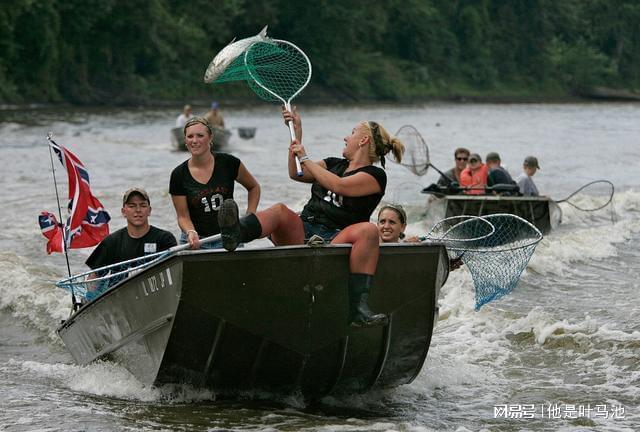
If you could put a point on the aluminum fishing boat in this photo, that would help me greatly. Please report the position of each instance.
(540, 211)
(272, 318)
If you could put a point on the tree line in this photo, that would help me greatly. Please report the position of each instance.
(147, 51)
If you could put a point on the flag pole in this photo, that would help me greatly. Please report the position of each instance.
(74, 304)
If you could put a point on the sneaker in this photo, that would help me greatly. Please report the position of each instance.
(229, 224)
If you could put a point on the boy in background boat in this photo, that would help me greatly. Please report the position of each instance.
(525, 181)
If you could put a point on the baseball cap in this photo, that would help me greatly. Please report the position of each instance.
(531, 161)
(475, 156)
(143, 193)
(492, 156)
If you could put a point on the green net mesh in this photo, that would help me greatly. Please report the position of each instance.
(236, 71)
(495, 257)
(275, 70)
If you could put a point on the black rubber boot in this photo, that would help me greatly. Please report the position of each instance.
(234, 230)
(360, 315)
(250, 228)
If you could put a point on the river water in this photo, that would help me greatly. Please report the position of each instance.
(560, 353)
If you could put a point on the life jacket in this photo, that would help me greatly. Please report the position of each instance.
(476, 180)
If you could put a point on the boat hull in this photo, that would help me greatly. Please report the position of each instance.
(540, 211)
(271, 318)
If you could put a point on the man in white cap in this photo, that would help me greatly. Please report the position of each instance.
(185, 116)
(137, 239)
(525, 182)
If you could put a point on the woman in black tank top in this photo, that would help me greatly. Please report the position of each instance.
(345, 192)
(199, 185)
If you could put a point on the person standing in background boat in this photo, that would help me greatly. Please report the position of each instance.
(461, 156)
(137, 239)
(199, 185)
(185, 116)
(474, 176)
(345, 192)
(498, 175)
(525, 181)
(214, 117)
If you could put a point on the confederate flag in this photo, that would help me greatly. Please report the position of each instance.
(88, 222)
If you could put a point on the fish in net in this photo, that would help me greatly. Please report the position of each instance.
(276, 70)
(495, 257)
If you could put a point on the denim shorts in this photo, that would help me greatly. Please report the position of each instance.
(326, 233)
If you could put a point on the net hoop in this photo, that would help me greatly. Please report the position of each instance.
(495, 261)
(253, 77)
(117, 272)
(529, 235)
(447, 235)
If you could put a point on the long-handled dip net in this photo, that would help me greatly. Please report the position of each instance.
(276, 70)
(591, 197)
(495, 256)
(416, 151)
(93, 283)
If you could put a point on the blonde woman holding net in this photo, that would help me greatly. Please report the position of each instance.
(345, 192)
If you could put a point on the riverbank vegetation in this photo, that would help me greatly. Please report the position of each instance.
(148, 51)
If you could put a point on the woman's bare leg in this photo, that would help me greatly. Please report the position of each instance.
(365, 247)
(284, 225)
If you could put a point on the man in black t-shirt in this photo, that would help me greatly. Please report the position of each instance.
(137, 239)
(498, 175)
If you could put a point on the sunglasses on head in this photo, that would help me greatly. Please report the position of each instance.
(461, 158)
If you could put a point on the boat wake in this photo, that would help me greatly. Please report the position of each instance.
(27, 291)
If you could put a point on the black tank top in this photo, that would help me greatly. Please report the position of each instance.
(204, 200)
(335, 211)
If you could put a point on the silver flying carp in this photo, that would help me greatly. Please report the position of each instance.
(229, 53)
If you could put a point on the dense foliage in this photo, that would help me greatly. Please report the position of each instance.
(137, 51)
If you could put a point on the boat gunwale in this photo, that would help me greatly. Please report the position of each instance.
(224, 255)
